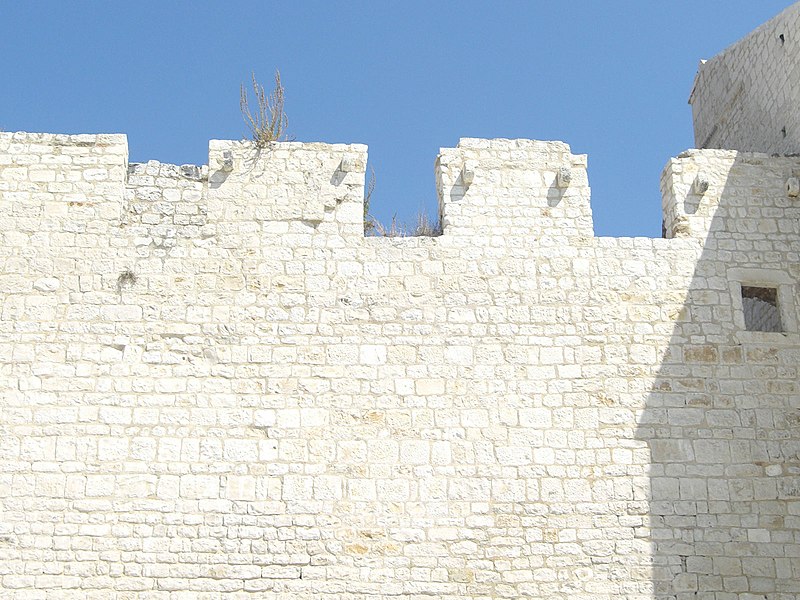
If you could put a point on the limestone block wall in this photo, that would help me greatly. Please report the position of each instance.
(211, 383)
(526, 188)
(746, 97)
(162, 204)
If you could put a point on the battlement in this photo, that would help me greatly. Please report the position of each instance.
(213, 383)
(718, 195)
(513, 188)
(490, 192)
(485, 187)
(214, 365)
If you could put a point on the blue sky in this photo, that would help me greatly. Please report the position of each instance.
(611, 78)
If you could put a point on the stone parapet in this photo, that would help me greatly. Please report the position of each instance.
(212, 383)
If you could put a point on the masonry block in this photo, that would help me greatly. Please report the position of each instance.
(320, 184)
(513, 188)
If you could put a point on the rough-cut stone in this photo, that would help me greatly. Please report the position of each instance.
(746, 97)
(47, 284)
(211, 383)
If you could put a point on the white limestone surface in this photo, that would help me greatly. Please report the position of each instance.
(746, 97)
(211, 383)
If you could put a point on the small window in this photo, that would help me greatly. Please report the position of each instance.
(761, 312)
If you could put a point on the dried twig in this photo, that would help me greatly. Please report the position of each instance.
(369, 220)
(270, 122)
(423, 228)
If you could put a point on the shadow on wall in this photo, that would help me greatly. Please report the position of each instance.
(723, 418)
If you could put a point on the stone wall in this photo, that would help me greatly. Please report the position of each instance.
(746, 97)
(212, 383)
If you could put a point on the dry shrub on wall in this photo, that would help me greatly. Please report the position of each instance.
(369, 221)
(269, 122)
(423, 227)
